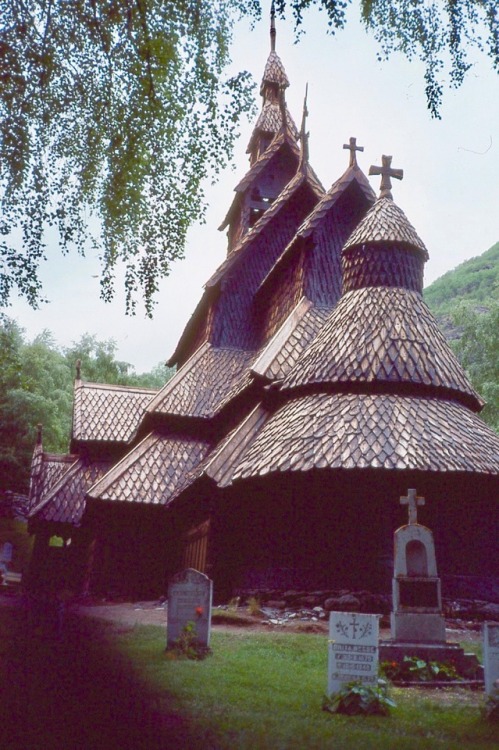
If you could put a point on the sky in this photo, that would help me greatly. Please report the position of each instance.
(449, 192)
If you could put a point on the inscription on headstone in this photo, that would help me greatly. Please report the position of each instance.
(490, 655)
(189, 601)
(353, 649)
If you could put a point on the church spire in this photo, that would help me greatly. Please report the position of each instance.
(274, 114)
(272, 27)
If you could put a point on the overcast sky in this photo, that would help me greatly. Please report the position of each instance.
(449, 191)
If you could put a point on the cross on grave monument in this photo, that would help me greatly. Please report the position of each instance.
(386, 172)
(352, 147)
(412, 500)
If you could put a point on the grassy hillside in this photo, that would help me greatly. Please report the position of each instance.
(466, 304)
(475, 281)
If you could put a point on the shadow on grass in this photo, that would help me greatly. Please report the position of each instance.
(77, 692)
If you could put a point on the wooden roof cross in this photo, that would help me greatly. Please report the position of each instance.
(352, 147)
(386, 172)
(412, 500)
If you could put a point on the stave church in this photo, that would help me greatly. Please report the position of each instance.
(313, 387)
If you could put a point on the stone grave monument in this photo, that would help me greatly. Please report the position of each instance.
(491, 655)
(417, 622)
(353, 650)
(189, 601)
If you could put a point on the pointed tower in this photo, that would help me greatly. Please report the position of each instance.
(273, 149)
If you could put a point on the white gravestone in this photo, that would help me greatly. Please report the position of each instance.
(6, 554)
(353, 650)
(490, 655)
(189, 601)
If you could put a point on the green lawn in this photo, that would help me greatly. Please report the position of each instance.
(100, 687)
(265, 691)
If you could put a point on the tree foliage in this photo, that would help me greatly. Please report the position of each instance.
(116, 109)
(36, 387)
(119, 110)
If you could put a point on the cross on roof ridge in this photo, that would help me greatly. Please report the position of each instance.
(386, 171)
(412, 500)
(352, 147)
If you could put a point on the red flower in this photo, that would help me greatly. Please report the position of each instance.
(199, 611)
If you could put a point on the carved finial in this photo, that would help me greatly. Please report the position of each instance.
(282, 107)
(78, 369)
(272, 27)
(303, 130)
(412, 501)
(39, 434)
(352, 147)
(386, 172)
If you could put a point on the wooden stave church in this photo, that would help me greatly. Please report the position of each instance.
(214, 471)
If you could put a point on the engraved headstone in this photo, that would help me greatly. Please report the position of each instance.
(353, 649)
(189, 601)
(6, 553)
(490, 655)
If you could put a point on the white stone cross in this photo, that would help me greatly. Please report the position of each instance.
(412, 501)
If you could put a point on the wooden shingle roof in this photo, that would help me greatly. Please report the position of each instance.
(65, 502)
(278, 356)
(153, 472)
(107, 413)
(305, 176)
(382, 335)
(46, 470)
(360, 431)
(284, 139)
(202, 384)
(385, 223)
(317, 215)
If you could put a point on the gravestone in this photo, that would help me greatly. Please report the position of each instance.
(189, 601)
(417, 622)
(353, 650)
(6, 553)
(5, 557)
(490, 655)
(417, 598)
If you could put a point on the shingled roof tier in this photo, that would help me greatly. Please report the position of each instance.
(283, 140)
(202, 384)
(361, 431)
(107, 413)
(65, 503)
(153, 472)
(46, 470)
(385, 336)
(306, 176)
(385, 223)
(326, 204)
(277, 357)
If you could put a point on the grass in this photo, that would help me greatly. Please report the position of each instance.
(265, 691)
(103, 686)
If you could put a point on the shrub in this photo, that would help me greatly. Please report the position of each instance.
(187, 645)
(357, 698)
(414, 669)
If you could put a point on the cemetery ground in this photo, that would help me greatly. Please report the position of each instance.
(108, 683)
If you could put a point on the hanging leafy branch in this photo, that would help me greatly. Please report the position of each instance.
(440, 33)
(114, 112)
(117, 109)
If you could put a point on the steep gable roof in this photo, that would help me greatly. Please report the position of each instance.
(65, 502)
(153, 472)
(199, 386)
(107, 413)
